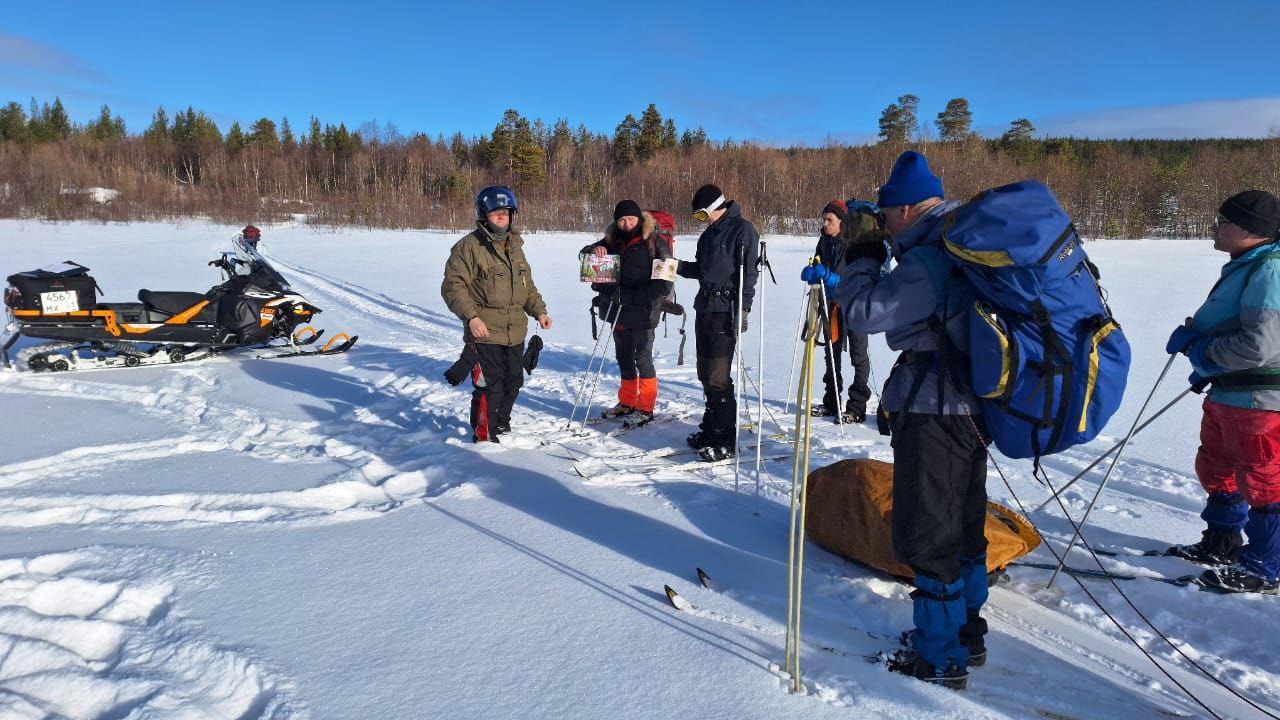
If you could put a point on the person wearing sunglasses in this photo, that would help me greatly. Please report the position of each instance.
(725, 268)
(1233, 341)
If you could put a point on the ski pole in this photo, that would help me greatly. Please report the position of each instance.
(799, 486)
(831, 357)
(1079, 528)
(1115, 447)
(762, 261)
(591, 397)
(586, 374)
(739, 369)
(795, 349)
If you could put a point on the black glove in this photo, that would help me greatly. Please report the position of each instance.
(531, 352)
(872, 250)
(459, 371)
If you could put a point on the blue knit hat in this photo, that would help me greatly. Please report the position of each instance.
(910, 181)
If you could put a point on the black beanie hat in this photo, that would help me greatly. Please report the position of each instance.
(625, 208)
(706, 195)
(1257, 211)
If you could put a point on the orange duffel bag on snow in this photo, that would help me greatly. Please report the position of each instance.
(850, 512)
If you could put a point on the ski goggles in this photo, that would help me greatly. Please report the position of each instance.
(1220, 221)
(704, 214)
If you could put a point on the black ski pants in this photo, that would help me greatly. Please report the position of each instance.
(716, 338)
(859, 391)
(634, 350)
(496, 386)
(939, 493)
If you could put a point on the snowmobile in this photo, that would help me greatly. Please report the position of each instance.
(252, 307)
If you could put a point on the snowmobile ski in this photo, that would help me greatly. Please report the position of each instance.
(339, 344)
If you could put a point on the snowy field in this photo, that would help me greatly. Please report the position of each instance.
(315, 538)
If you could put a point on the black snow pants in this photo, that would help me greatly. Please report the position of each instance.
(716, 338)
(497, 381)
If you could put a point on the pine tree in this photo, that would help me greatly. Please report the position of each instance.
(955, 122)
(159, 128)
(669, 135)
(501, 144)
(898, 121)
(262, 134)
(315, 137)
(649, 137)
(59, 126)
(236, 141)
(561, 137)
(13, 124)
(1018, 140)
(286, 134)
(106, 127)
(527, 155)
(624, 140)
(458, 146)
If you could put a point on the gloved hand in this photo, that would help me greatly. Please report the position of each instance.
(870, 250)
(1201, 363)
(1197, 381)
(459, 371)
(814, 274)
(743, 329)
(1181, 339)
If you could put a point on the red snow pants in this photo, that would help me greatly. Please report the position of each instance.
(1240, 452)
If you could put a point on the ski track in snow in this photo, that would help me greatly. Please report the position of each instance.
(82, 637)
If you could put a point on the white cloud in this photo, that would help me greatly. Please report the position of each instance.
(29, 54)
(1244, 117)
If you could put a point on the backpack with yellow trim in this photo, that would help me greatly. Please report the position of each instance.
(1047, 359)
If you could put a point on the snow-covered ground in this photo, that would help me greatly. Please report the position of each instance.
(245, 538)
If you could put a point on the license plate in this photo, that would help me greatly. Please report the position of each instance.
(62, 301)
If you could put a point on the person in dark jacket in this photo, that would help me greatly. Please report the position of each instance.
(488, 284)
(1234, 343)
(637, 306)
(725, 268)
(939, 454)
(839, 229)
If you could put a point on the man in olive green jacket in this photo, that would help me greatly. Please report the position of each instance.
(488, 285)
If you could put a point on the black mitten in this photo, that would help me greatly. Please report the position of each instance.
(459, 371)
(531, 352)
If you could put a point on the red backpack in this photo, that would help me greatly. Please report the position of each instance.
(666, 232)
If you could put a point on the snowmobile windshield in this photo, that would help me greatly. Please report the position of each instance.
(249, 262)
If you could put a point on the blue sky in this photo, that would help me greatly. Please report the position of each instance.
(776, 72)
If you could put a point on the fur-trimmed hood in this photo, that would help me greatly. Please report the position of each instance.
(648, 226)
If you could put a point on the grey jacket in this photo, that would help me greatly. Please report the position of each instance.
(919, 299)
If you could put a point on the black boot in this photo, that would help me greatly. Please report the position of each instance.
(1217, 547)
(908, 662)
(972, 636)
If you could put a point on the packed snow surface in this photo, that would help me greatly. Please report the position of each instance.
(242, 538)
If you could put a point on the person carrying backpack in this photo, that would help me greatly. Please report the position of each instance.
(939, 490)
(840, 228)
(1234, 344)
(725, 268)
(634, 306)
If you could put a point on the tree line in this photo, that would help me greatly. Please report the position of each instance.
(568, 178)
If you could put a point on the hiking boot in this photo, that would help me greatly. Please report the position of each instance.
(1239, 579)
(502, 428)
(640, 417)
(849, 418)
(822, 411)
(908, 662)
(617, 411)
(716, 453)
(1215, 549)
(700, 439)
(972, 636)
(973, 642)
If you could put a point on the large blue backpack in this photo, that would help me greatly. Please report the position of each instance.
(1047, 359)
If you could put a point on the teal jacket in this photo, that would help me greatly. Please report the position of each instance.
(1242, 319)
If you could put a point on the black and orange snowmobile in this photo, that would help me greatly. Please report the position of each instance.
(253, 307)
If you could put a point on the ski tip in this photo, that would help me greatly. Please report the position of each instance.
(673, 597)
(704, 578)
